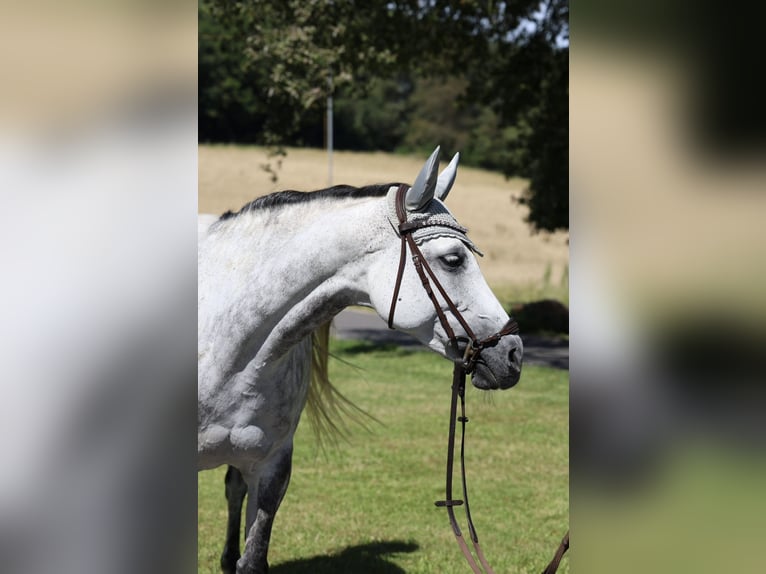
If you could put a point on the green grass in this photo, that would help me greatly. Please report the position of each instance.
(548, 288)
(367, 504)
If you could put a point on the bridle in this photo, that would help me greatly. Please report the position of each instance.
(474, 345)
(465, 366)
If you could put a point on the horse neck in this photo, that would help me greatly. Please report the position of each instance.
(277, 276)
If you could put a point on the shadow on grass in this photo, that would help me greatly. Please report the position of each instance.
(356, 347)
(368, 558)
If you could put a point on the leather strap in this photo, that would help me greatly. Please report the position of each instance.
(560, 551)
(420, 263)
(397, 285)
(458, 393)
(458, 390)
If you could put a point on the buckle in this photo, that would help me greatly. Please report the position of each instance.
(441, 503)
(469, 350)
(471, 354)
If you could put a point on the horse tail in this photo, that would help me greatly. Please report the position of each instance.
(327, 409)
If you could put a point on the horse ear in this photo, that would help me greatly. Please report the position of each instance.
(422, 191)
(447, 178)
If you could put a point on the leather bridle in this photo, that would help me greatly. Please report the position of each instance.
(466, 365)
(474, 346)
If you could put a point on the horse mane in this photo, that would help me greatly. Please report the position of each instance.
(327, 409)
(292, 197)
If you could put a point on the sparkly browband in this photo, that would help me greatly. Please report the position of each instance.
(433, 221)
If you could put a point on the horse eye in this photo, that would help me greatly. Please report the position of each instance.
(452, 260)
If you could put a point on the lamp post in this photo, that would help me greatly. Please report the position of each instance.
(329, 131)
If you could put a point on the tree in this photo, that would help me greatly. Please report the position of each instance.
(525, 79)
(376, 121)
(231, 107)
(512, 56)
(548, 151)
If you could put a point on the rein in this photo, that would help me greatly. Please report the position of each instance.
(471, 354)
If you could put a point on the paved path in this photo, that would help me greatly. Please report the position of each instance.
(367, 326)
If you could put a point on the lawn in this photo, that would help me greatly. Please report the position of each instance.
(367, 504)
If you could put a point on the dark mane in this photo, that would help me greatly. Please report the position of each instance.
(290, 197)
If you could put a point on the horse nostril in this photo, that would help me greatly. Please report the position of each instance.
(514, 359)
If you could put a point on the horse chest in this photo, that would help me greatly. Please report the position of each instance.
(254, 414)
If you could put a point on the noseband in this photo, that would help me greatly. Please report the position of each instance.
(462, 367)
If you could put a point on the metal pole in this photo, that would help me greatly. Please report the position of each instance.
(329, 132)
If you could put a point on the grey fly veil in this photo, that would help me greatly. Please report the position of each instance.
(424, 203)
(433, 220)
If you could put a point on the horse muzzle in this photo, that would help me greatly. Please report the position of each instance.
(499, 367)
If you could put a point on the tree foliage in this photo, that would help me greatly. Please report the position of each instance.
(488, 78)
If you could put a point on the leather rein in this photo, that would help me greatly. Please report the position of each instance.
(471, 354)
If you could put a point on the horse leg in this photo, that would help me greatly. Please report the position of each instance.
(236, 489)
(264, 498)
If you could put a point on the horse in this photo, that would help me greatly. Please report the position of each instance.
(272, 276)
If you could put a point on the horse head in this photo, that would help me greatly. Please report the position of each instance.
(461, 297)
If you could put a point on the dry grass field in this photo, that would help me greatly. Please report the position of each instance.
(515, 258)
